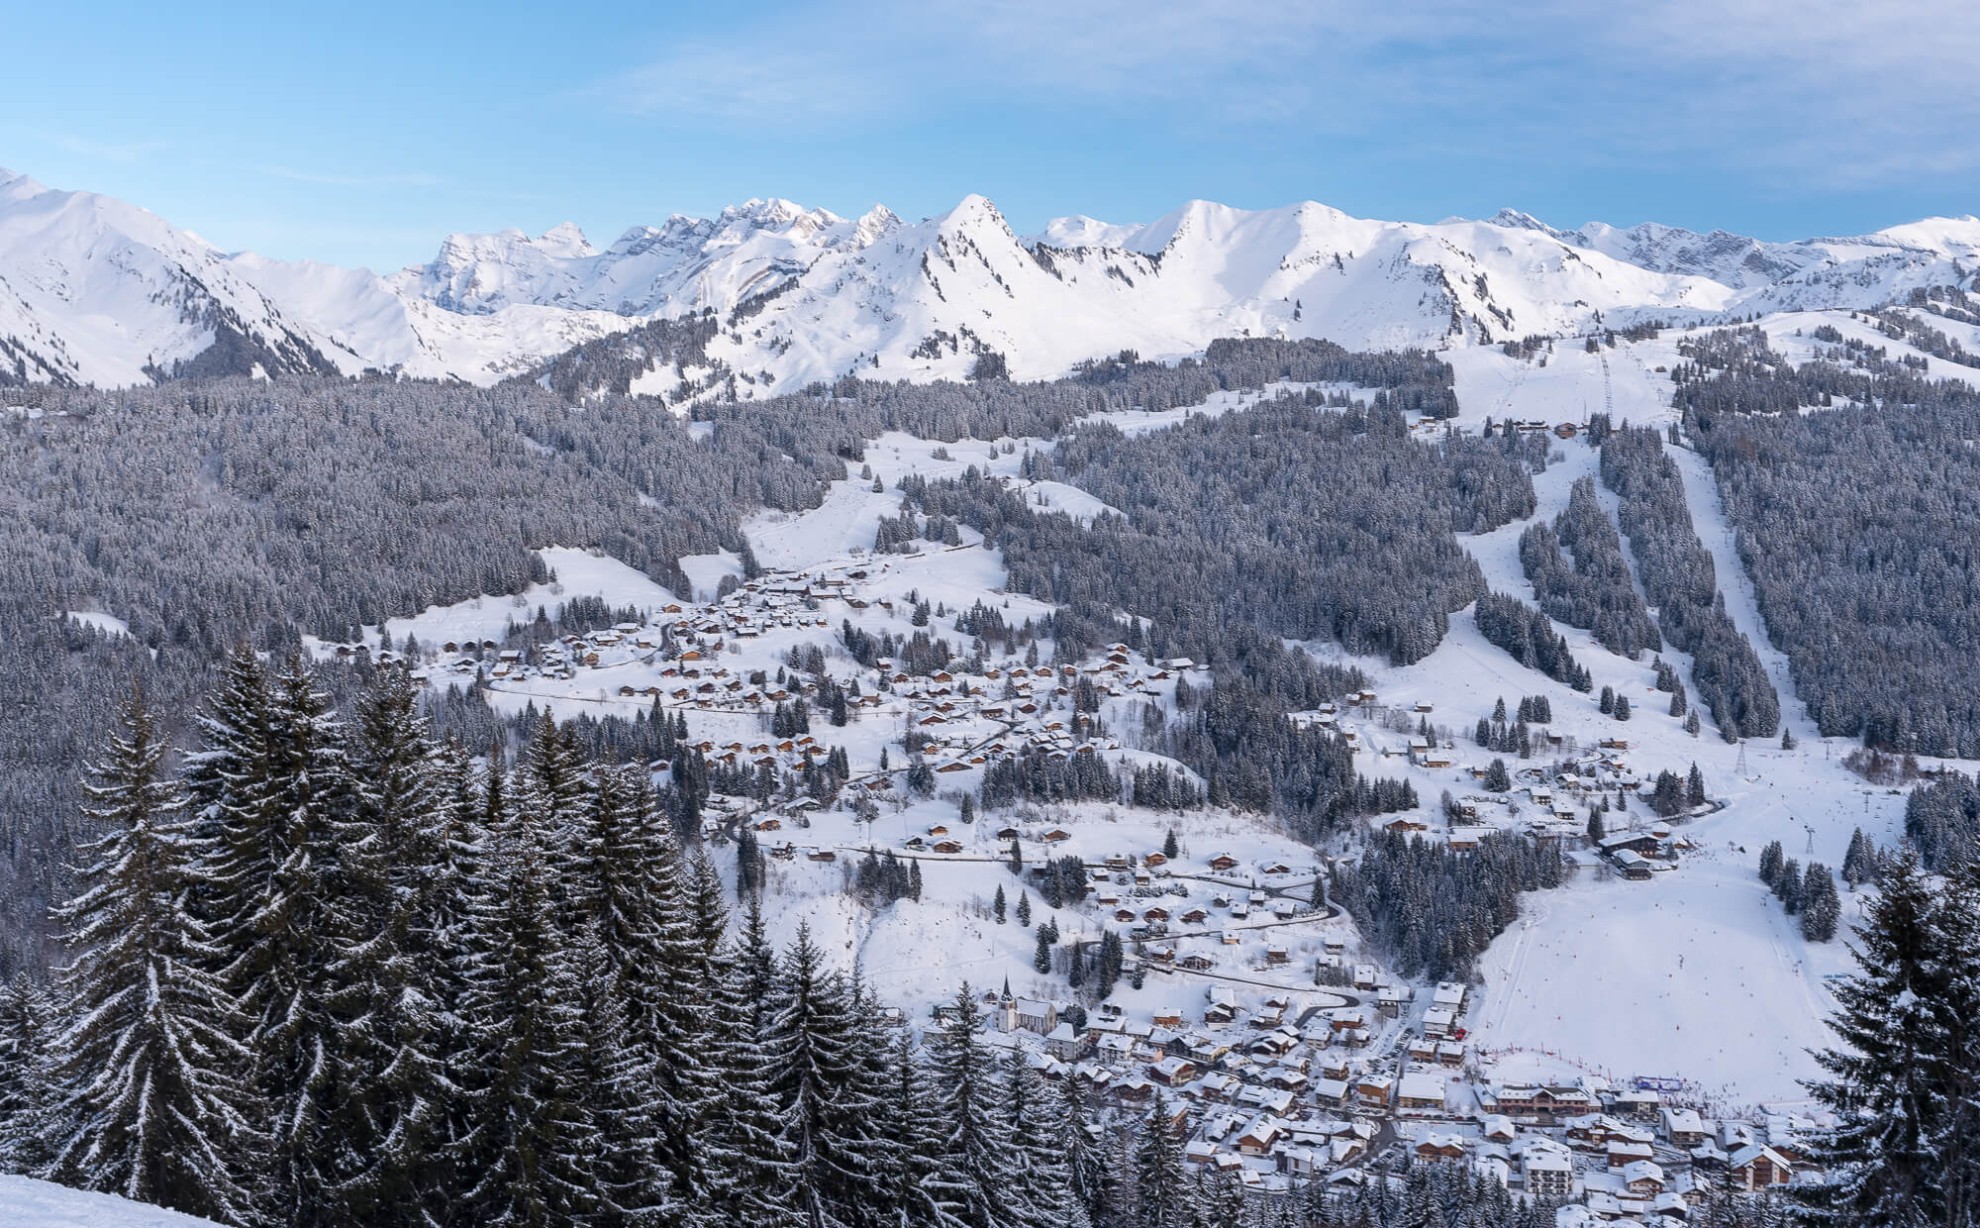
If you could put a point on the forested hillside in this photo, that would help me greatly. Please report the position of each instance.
(1852, 480)
(1680, 579)
(209, 513)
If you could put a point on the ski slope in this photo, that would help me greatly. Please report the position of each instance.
(1696, 973)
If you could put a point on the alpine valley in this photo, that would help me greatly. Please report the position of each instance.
(1248, 720)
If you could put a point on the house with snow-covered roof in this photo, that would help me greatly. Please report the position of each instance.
(1684, 1127)
(1433, 1147)
(1756, 1167)
(1420, 1090)
(1546, 1172)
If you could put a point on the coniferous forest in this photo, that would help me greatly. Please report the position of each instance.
(1851, 480)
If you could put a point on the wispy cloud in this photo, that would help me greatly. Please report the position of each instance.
(1828, 92)
(762, 84)
(121, 152)
(409, 179)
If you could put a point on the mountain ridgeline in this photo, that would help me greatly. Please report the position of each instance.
(779, 296)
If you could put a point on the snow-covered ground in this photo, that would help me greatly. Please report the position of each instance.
(108, 624)
(573, 573)
(25, 1203)
(1694, 974)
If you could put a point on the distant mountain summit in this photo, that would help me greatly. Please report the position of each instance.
(93, 290)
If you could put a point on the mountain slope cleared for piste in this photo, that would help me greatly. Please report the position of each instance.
(1697, 973)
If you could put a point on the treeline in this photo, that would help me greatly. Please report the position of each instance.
(1037, 776)
(1592, 589)
(1433, 910)
(1299, 523)
(1529, 638)
(1679, 578)
(1253, 756)
(1942, 821)
(1859, 527)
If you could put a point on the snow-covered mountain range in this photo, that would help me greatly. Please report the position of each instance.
(94, 290)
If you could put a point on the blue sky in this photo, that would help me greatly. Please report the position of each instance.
(362, 133)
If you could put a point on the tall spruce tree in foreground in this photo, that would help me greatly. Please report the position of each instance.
(1091, 1182)
(914, 1180)
(819, 1082)
(1888, 1081)
(972, 1185)
(154, 1109)
(1956, 1141)
(529, 1154)
(298, 955)
(1161, 1197)
(1039, 1177)
(390, 1116)
(745, 1158)
(614, 1079)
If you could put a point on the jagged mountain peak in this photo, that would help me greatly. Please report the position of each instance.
(1514, 219)
(96, 290)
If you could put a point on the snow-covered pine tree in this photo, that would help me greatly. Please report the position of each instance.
(27, 1077)
(393, 860)
(1160, 1192)
(1040, 1191)
(1218, 1197)
(1092, 1184)
(554, 794)
(915, 1190)
(742, 1161)
(1821, 907)
(632, 892)
(1955, 1141)
(973, 1179)
(617, 882)
(153, 1106)
(1859, 862)
(1772, 858)
(614, 1078)
(297, 947)
(224, 780)
(884, 1146)
(822, 1087)
(1888, 1078)
(528, 1159)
